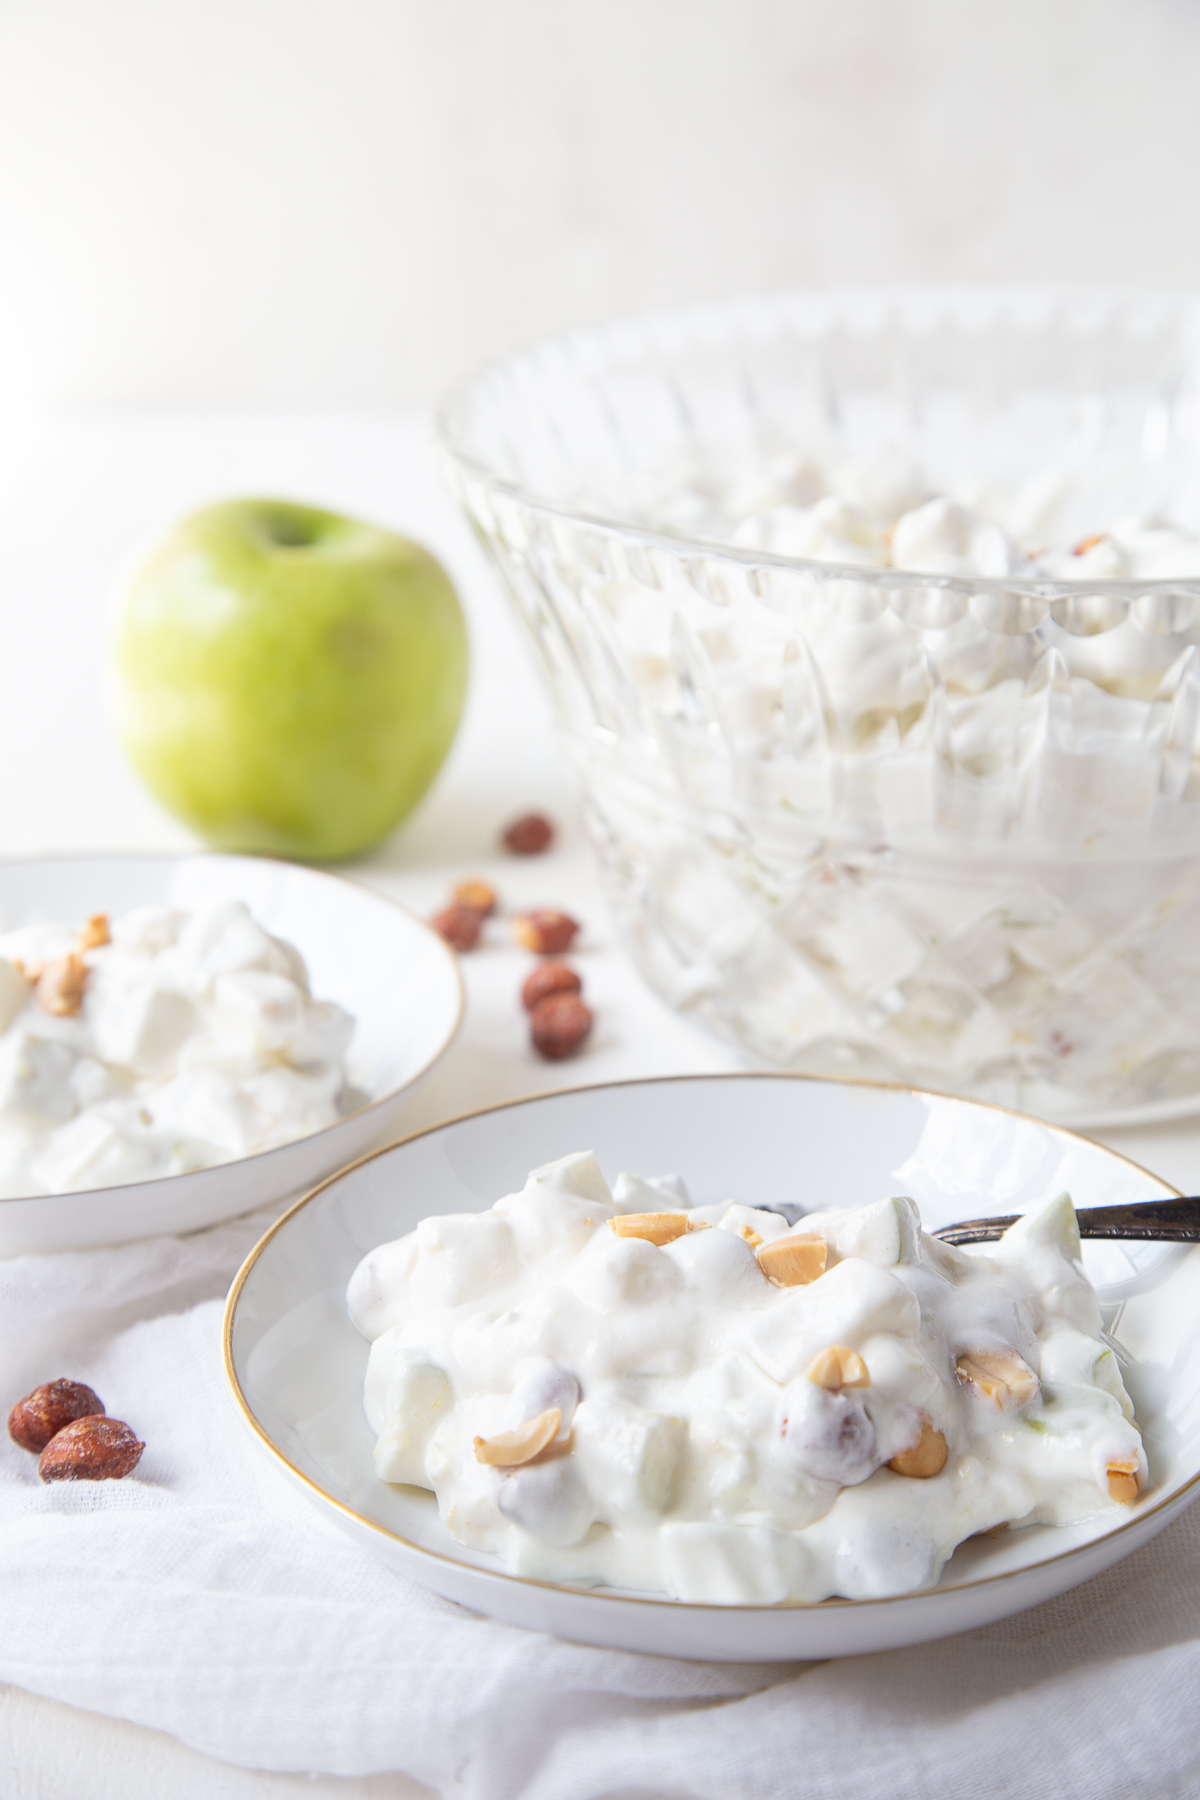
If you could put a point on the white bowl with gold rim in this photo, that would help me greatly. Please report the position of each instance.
(394, 975)
(296, 1364)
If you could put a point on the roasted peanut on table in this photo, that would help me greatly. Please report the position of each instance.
(460, 925)
(91, 1449)
(479, 894)
(64, 1424)
(558, 1025)
(529, 835)
(34, 1420)
(545, 932)
(550, 978)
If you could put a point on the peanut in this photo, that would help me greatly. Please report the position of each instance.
(1006, 1380)
(837, 1367)
(925, 1458)
(793, 1261)
(529, 835)
(95, 933)
(558, 1025)
(653, 1228)
(512, 1449)
(59, 985)
(34, 1420)
(477, 894)
(91, 1449)
(549, 978)
(460, 925)
(1123, 1482)
(544, 932)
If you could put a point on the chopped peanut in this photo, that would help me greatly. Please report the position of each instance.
(925, 1458)
(549, 978)
(512, 1449)
(748, 1232)
(1007, 1380)
(1123, 1481)
(544, 932)
(655, 1228)
(95, 933)
(477, 894)
(529, 836)
(59, 985)
(459, 924)
(838, 1367)
(793, 1261)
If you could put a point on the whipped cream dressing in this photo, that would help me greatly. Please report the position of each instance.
(881, 511)
(619, 1387)
(177, 1041)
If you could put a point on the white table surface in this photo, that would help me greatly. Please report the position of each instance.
(79, 495)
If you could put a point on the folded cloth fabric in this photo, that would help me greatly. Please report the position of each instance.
(205, 1597)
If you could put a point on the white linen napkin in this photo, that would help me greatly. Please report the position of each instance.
(203, 1596)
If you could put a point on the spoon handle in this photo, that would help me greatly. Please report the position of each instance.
(1167, 1221)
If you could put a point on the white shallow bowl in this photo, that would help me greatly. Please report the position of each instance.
(296, 1364)
(395, 975)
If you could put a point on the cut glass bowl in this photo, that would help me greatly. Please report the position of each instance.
(930, 828)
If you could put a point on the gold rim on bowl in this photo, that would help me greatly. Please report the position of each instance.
(614, 1594)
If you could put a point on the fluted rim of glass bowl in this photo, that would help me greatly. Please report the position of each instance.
(852, 307)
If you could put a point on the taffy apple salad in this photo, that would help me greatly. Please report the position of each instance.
(155, 1043)
(882, 510)
(712, 1402)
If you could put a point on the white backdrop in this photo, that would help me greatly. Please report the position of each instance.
(351, 200)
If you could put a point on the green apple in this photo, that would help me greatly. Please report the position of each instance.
(288, 681)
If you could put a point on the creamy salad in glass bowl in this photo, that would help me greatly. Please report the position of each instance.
(872, 620)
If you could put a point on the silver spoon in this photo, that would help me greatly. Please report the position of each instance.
(1164, 1221)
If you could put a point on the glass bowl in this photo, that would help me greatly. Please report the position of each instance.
(939, 828)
